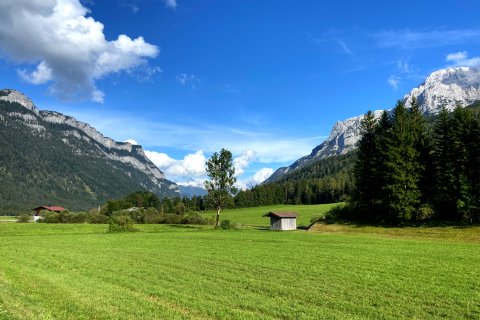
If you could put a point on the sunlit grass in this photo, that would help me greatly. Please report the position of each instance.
(8, 218)
(253, 216)
(188, 272)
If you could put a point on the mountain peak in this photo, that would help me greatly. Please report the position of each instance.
(450, 87)
(447, 88)
(12, 95)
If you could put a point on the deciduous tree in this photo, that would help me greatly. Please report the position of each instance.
(220, 186)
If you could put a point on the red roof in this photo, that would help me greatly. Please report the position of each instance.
(53, 208)
(281, 214)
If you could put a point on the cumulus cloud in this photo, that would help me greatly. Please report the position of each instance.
(190, 171)
(461, 59)
(262, 175)
(241, 162)
(67, 48)
(191, 166)
(249, 182)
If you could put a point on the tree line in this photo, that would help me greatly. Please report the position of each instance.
(409, 170)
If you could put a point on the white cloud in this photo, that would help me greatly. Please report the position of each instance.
(249, 182)
(394, 81)
(408, 39)
(41, 75)
(241, 162)
(171, 4)
(345, 48)
(262, 175)
(131, 141)
(461, 59)
(67, 47)
(191, 166)
(190, 171)
(187, 79)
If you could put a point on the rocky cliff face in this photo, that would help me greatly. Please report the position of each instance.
(447, 88)
(443, 88)
(80, 152)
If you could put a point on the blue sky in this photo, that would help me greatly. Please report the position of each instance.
(264, 79)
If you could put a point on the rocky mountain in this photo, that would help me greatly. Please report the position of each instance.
(443, 88)
(189, 191)
(50, 158)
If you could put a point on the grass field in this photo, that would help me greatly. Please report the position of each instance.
(8, 218)
(253, 216)
(183, 272)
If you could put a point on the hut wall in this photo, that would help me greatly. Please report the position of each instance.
(288, 224)
(275, 223)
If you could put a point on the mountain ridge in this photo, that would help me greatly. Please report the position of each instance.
(81, 154)
(442, 88)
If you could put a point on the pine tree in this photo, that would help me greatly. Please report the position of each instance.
(366, 167)
(445, 196)
(402, 168)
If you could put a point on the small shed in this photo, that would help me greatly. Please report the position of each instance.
(282, 220)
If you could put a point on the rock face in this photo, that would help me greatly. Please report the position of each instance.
(71, 155)
(447, 88)
(443, 88)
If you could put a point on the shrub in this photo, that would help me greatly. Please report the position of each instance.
(97, 218)
(227, 225)
(49, 217)
(317, 218)
(195, 218)
(425, 212)
(24, 218)
(121, 223)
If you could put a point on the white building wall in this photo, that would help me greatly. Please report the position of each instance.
(288, 224)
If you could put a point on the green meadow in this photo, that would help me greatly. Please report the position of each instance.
(253, 216)
(8, 218)
(53, 271)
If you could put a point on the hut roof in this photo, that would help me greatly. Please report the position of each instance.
(52, 208)
(281, 214)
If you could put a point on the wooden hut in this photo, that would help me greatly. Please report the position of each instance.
(282, 220)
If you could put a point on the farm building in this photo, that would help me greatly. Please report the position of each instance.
(282, 220)
(48, 208)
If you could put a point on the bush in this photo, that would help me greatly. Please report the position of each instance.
(65, 217)
(425, 212)
(227, 225)
(24, 218)
(317, 218)
(340, 213)
(97, 218)
(121, 223)
(195, 218)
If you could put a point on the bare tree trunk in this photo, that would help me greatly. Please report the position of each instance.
(217, 218)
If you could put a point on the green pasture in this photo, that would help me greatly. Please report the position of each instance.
(8, 218)
(187, 272)
(253, 216)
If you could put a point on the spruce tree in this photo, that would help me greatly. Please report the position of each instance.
(402, 168)
(365, 167)
(445, 196)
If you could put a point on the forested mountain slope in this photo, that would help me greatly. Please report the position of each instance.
(49, 158)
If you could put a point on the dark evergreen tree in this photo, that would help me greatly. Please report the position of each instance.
(402, 168)
(366, 169)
